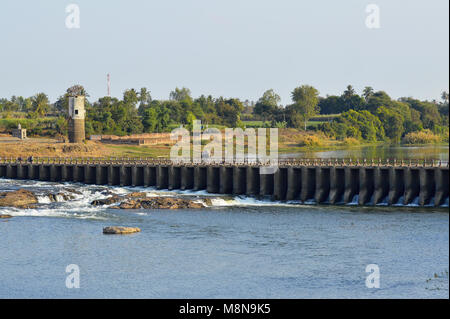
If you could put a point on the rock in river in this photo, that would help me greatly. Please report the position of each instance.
(136, 195)
(120, 230)
(160, 203)
(20, 198)
(106, 201)
(5, 216)
(60, 197)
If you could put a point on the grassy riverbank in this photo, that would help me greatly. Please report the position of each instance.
(290, 141)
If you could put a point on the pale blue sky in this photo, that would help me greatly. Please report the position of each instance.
(233, 48)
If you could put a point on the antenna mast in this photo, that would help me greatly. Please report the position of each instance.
(109, 84)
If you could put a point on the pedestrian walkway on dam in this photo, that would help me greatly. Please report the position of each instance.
(331, 181)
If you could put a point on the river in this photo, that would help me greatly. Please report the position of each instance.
(383, 152)
(237, 247)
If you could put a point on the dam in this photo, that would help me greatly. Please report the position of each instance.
(416, 183)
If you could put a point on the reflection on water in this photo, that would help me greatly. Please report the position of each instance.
(436, 152)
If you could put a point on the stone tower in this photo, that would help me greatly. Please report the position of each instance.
(76, 119)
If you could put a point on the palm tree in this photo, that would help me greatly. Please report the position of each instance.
(40, 104)
(144, 96)
(367, 92)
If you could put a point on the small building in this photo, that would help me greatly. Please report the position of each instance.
(19, 132)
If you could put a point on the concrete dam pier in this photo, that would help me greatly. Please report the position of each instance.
(306, 181)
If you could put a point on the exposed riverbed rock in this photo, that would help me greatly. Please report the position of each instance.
(60, 197)
(136, 195)
(21, 198)
(5, 216)
(159, 203)
(120, 230)
(106, 201)
(208, 201)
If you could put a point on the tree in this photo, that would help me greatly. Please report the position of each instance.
(429, 112)
(61, 126)
(144, 96)
(330, 104)
(163, 118)
(267, 105)
(190, 118)
(444, 97)
(150, 120)
(367, 92)
(40, 104)
(229, 111)
(392, 123)
(183, 94)
(144, 100)
(76, 90)
(306, 102)
(359, 124)
(349, 92)
(130, 98)
(378, 99)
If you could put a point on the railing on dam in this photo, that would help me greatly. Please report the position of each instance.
(281, 161)
(326, 181)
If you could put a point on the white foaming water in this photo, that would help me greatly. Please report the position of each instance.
(414, 203)
(83, 195)
(217, 200)
(43, 199)
(430, 203)
(310, 201)
(354, 201)
(399, 202)
(371, 201)
(242, 201)
(59, 198)
(221, 202)
(79, 207)
(383, 202)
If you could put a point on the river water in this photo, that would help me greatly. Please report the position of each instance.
(236, 248)
(383, 152)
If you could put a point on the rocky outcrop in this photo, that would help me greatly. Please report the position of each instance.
(120, 230)
(57, 197)
(136, 195)
(21, 199)
(159, 203)
(170, 203)
(106, 201)
(207, 201)
(5, 216)
(116, 198)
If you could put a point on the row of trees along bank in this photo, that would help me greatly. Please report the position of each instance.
(370, 117)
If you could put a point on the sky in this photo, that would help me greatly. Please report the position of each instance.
(230, 48)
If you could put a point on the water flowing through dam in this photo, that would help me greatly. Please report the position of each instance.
(320, 182)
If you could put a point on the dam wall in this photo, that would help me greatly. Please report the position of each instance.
(307, 182)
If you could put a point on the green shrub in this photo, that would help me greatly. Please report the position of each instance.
(310, 140)
(421, 137)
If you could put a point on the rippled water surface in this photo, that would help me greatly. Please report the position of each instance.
(383, 152)
(237, 248)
